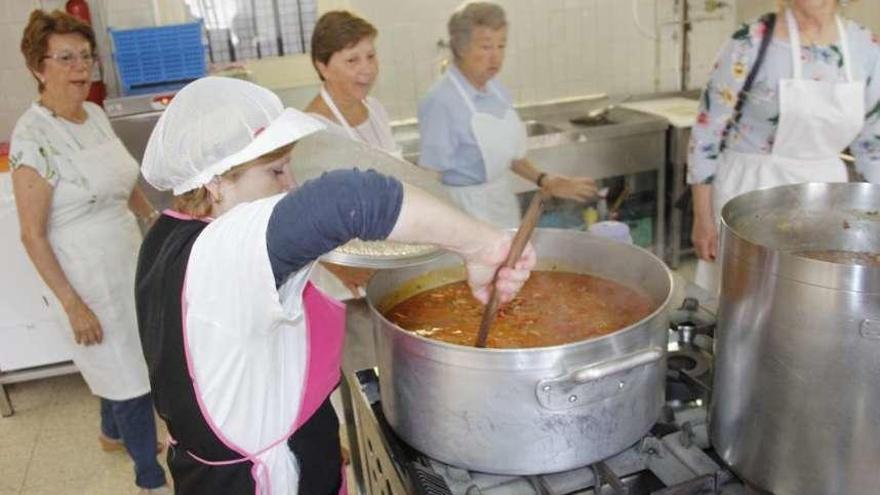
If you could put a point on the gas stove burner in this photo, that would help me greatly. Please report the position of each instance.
(688, 361)
(691, 325)
(688, 377)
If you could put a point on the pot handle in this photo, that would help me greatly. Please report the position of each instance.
(616, 365)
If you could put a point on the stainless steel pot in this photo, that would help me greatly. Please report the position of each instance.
(796, 406)
(526, 411)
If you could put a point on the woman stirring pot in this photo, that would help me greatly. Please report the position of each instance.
(243, 350)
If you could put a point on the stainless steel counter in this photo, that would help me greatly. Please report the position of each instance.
(133, 119)
(625, 144)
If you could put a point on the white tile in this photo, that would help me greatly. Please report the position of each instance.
(130, 18)
(115, 5)
(556, 47)
(557, 27)
(17, 10)
(540, 28)
(10, 43)
(20, 89)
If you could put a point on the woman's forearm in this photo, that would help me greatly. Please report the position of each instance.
(573, 188)
(33, 200)
(140, 205)
(702, 201)
(43, 257)
(525, 169)
(425, 219)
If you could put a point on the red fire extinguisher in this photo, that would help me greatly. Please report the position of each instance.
(97, 91)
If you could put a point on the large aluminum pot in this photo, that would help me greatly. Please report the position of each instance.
(526, 411)
(796, 406)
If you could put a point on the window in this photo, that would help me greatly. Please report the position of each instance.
(248, 29)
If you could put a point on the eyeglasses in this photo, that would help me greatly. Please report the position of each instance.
(69, 59)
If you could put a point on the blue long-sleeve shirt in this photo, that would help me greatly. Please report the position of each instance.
(304, 224)
(328, 212)
(448, 144)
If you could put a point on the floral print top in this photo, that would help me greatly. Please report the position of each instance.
(45, 147)
(756, 129)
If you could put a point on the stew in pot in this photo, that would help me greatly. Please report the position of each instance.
(552, 308)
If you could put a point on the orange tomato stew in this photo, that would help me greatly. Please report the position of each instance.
(553, 308)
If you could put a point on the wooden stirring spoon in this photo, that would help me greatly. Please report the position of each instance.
(523, 234)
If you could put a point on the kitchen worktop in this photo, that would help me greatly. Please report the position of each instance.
(679, 111)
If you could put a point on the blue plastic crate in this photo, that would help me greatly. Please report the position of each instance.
(156, 55)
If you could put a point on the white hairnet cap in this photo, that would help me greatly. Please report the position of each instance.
(214, 124)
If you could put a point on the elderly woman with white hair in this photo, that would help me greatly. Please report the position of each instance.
(243, 352)
(470, 132)
(789, 93)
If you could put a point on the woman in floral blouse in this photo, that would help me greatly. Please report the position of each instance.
(816, 93)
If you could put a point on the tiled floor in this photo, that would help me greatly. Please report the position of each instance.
(50, 445)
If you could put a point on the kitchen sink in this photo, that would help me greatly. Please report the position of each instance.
(407, 137)
(535, 128)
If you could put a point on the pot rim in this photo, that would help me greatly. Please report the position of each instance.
(743, 237)
(662, 307)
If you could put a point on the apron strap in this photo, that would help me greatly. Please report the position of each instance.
(328, 100)
(470, 104)
(498, 93)
(461, 91)
(844, 48)
(794, 38)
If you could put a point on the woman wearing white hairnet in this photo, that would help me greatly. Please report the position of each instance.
(242, 350)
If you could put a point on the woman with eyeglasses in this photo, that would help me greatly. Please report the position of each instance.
(77, 200)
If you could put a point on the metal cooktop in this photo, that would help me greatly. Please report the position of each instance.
(675, 458)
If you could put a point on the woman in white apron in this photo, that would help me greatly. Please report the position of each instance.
(808, 100)
(243, 350)
(469, 131)
(75, 191)
(344, 56)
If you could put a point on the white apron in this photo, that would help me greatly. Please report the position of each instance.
(260, 367)
(377, 127)
(817, 121)
(501, 140)
(96, 240)
(323, 278)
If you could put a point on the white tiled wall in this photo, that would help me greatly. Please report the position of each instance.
(866, 12)
(557, 48)
(19, 88)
